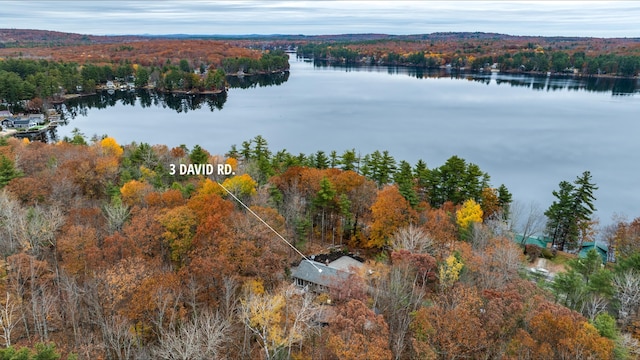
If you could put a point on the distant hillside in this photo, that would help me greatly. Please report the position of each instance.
(461, 49)
(30, 38)
(33, 38)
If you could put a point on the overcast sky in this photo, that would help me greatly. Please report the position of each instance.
(565, 18)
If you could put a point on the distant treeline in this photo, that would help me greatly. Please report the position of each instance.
(26, 79)
(531, 59)
(276, 60)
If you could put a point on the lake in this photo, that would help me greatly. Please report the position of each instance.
(527, 132)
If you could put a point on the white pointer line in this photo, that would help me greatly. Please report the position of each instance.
(270, 228)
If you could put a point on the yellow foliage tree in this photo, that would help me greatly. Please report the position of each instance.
(262, 314)
(470, 212)
(134, 191)
(241, 186)
(110, 147)
(147, 174)
(179, 224)
(208, 187)
(449, 272)
(233, 162)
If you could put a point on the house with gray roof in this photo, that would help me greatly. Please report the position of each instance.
(24, 123)
(320, 277)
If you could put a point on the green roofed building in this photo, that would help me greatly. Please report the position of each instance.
(602, 250)
(540, 241)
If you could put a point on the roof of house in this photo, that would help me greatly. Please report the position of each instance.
(540, 241)
(345, 263)
(23, 121)
(327, 276)
(587, 246)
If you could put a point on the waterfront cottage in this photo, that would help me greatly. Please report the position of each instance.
(24, 123)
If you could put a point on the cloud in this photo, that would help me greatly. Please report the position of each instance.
(604, 19)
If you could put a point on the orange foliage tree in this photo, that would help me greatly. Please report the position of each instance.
(390, 212)
(356, 332)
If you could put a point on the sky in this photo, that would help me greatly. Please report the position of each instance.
(545, 18)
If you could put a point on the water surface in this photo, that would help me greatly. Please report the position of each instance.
(526, 132)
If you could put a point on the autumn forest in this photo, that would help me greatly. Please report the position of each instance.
(107, 255)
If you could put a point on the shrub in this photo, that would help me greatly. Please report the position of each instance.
(547, 254)
(533, 252)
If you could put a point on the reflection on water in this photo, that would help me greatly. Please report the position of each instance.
(616, 86)
(181, 103)
(246, 82)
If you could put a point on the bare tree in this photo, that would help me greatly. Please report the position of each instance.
(116, 214)
(38, 227)
(398, 295)
(118, 339)
(8, 319)
(631, 344)
(527, 220)
(229, 298)
(480, 235)
(71, 294)
(412, 238)
(627, 286)
(594, 305)
(10, 211)
(199, 339)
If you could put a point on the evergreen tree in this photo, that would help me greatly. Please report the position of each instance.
(455, 181)
(261, 154)
(366, 169)
(348, 160)
(388, 167)
(406, 185)
(561, 225)
(198, 155)
(333, 159)
(233, 152)
(583, 197)
(7, 171)
(142, 77)
(382, 166)
(573, 208)
(421, 174)
(321, 160)
(323, 200)
(246, 150)
(504, 200)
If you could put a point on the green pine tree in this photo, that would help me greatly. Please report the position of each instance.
(561, 224)
(573, 207)
(406, 184)
(8, 171)
(323, 200)
(348, 160)
(198, 155)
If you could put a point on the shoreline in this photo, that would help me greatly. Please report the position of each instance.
(471, 71)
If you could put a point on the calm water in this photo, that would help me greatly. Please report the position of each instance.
(528, 133)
